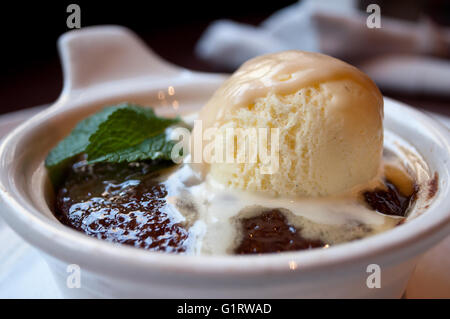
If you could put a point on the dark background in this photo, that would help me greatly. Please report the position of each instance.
(30, 71)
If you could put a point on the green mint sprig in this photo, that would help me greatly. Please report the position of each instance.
(121, 133)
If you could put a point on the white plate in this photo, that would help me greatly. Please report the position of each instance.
(25, 274)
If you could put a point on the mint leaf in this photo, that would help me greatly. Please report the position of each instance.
(78, 139)
(155, 147)
(122, 133)
(124, 129)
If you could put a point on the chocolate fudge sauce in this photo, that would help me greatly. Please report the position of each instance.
(389, 201)
(131, 204)
(269, 232)
(121, 204)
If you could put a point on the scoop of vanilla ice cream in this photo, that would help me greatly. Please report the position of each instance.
(328, 116)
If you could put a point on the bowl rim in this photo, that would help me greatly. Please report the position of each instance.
(64, 243)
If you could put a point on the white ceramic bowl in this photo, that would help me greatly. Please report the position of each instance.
(104, 65)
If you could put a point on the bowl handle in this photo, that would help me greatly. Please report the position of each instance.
(101, 54)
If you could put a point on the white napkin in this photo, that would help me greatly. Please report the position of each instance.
(400, 55)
